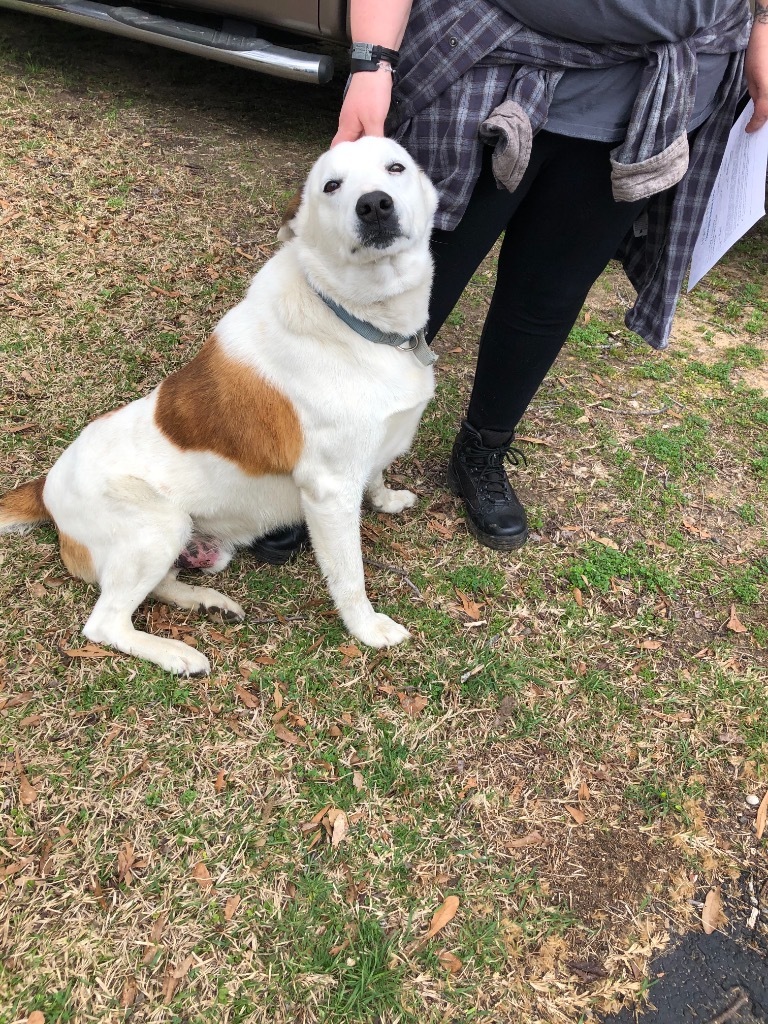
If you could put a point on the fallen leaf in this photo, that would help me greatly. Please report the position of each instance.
(607, 542)
(584, 793)
(577, 597)
(27, 791)
(505, 712)
(651, 645)
(733, 623)
(128, 996)
(441, 528)
(230, 908)
(287, 736)
(470, 608)
(358, 781)
(443, 915)
(125, 861)
(587, 970)
(532, 839)
(762, 815)
(712, 916)
(412, 704)
(16, 700)
(340, 829)
(578, 815)
(350, 651)
(89, 651)
(696, 530)
(202, 876)
(36, 1018)
(451, 963)
(246, 696)
(221, 781)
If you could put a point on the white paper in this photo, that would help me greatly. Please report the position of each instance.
(738, 197)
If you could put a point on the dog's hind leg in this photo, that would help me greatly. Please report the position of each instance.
(136, 539)
(385, 499)
(110, 623)
(184, 595)
(400, 431)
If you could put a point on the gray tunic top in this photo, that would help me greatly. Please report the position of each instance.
(596, 103)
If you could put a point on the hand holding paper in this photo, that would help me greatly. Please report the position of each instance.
(738, 196)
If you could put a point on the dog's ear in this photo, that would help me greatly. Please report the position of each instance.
(286, 231)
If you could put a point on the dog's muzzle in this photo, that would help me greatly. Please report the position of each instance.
(378, 223)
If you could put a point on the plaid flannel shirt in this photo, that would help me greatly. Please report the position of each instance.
(460, 60)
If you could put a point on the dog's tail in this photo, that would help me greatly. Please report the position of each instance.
(23, 507)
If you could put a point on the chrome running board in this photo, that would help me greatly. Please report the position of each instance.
(244, 51)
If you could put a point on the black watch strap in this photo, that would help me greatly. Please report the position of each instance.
(366, 57)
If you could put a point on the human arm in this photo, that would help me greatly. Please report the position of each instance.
(756, 67)
(369, 94)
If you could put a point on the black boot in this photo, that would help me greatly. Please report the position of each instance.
(281, 545)
(476, 473)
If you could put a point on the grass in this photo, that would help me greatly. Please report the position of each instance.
(168, 850)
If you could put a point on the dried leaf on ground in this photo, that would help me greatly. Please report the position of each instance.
(733, 622)
(221, 781)
(451, 963)
(762, 816)
(532, 839)
(340, 829)
(128, 995)
(587, 970)
(443, 915)
(577, 814)
(125, 861)
(412, 703)
(350, 651)
(90, 651)
(36, 1017)
(246, 696)
(27, 792)
(472, 609)
(712, 916)
(287, 736)
(202, 876)
(230, 908)
(358, 781)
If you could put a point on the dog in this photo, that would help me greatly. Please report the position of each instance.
(292, 409)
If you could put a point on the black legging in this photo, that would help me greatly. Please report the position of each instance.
(562, 227)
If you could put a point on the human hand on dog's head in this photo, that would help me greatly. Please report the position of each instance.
(365, 107)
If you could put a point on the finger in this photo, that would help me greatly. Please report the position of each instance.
(346, 133)
(759, 116)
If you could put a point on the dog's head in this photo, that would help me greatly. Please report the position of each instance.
(361, 200)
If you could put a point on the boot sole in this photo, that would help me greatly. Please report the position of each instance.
(488, 540)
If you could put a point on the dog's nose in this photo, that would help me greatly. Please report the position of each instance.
(374, 207)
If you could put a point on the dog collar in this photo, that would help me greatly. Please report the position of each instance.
(415, 343)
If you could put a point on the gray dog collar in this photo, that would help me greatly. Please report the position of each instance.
(415, 343)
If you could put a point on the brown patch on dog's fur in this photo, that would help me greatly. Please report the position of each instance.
(292, 207)
(77, 558)
(218, 405)
(24, 505)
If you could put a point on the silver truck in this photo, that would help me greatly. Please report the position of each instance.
(225, 30)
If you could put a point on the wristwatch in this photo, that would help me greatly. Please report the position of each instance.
(368, 57)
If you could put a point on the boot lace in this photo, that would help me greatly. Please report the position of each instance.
(487, 468)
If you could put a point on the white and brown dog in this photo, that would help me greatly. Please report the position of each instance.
(286, 413)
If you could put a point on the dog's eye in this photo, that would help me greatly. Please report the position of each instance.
(396, 168)
(331, 186)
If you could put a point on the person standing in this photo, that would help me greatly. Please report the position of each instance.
(581, 132)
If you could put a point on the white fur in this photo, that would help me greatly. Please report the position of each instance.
(133, 498)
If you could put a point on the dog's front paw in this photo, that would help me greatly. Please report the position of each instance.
(387, 500)
(381, 631)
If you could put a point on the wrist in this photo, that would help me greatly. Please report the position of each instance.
(371, 57)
